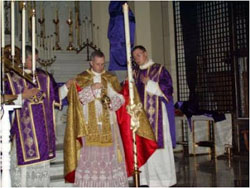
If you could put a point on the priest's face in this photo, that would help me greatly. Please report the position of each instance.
(98, 64)
(140, 56)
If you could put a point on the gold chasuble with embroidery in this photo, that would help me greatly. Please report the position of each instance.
(78, 126)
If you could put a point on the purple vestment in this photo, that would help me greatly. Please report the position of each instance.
(152, 103)
(33, 125)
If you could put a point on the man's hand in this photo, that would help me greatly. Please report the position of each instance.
(144, 79)
(96, 86)
(69, 82)
(28, 93)
(8, 98)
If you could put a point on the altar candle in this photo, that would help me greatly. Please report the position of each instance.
(33, 44)
(70, 14)
(3, 39)
(56, 14)
(23, 34)
(127, 37)
(12, 29)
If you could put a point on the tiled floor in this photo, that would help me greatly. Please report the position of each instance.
(200, 171)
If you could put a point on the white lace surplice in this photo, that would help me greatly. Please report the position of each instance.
(35, 175)
(99, 167)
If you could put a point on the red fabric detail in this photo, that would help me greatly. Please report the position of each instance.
(78, 87)
(80, 140)
(145, 147)
(70, 177)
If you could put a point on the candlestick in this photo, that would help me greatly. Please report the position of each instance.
(97, 37)
(23, 33)
(90, 31)
(132, 109)
(86, 27)
(42, 16)
(70, 46)
(56, 14)
(93, 34)
(12, 29)
(3, 24)
(33, 44)
(127, 37)
(70, 14)
(42, 50)
(77, 28)
(2, 51)
(46, 48)
(57, 37)
(80, 33)
(84, 37)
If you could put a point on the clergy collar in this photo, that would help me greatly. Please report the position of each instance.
(147, 64)
(96, 73)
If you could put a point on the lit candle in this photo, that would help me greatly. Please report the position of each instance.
(41, 52)
(128, 50)
(45, 48)
(89, 30)
(42, 48)
(70, 14)
(97, 37)
(80, 33)
(3, 39)
(93, 34)
(56, 16)
(12, 29)
(42, 12)
(48, 42)
(51, 46)
(33, 44)
(23, 34)
(84, 31)
(86, 27)
(1, 62)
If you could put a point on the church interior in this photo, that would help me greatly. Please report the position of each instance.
(205, 47)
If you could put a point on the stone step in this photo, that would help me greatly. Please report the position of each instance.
(56, 168)
(58, 181)
(59, 156)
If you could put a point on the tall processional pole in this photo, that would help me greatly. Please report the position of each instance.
(132, 108)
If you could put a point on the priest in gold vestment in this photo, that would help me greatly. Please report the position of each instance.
(93, 150)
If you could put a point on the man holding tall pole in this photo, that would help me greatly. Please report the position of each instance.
(137, 135)
(154, 84)
(155, 89)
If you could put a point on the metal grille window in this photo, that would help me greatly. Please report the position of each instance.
(181, 73)
(204, 52)
(241, 49)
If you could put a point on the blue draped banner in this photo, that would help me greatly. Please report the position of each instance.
(116, 35)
